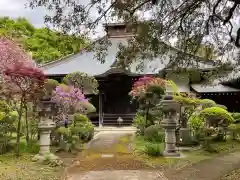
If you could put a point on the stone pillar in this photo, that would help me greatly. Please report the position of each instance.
(45, 127)
(44, 141)
(169, 123)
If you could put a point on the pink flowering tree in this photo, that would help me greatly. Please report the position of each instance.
(11, 53)
(69, 99)
(25, 84)
(141, 86)
(148, 91)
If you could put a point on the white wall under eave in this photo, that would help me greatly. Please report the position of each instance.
(181, 80)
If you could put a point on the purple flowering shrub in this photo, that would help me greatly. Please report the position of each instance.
(70, 99)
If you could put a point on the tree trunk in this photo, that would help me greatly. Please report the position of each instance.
(27, 127)
(19, 128)
(146, 120)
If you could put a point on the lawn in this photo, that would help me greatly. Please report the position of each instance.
(189, 157)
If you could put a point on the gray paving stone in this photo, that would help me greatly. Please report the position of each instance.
(120, 175)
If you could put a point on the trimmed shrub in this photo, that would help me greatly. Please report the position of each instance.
(80, 118)
(234, 130)
(154, 133)
(207, 103)
(215, 115)
(196, 122)
(139, 122)
(221, 106)
(236, 117)
(82, 127)
(153, 149)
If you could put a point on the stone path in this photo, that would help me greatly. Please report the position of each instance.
(121, 175)
(105, 140)
(210, 169)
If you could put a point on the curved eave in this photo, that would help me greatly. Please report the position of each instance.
(117, 71)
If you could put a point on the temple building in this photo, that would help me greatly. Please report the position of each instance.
(115, 83)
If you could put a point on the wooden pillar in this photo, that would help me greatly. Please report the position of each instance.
(100, 109)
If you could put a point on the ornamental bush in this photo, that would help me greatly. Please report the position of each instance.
(236, 117)
(139, 122)
(216, 116)
(154, 133)
(80, 118)
(49, 86)
(82, 127)
(207, 103)
(7, 120)
(221, 106)
(153, 149)
(234, 130)
(196, 122)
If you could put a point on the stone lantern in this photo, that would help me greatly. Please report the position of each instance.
(45, 126)
(170, 109)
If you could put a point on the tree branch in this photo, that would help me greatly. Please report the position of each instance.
(230, 14)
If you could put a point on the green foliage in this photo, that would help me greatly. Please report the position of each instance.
(185, 100)
(216, 113)
(196, 122)
(49, 86)
(139, 122)
(32, 148)
(153, 149)
(64, 131)
(173, 86)
(149, 102)
(221, 106)
(207, 103)
(80, 131)
(82, 127)
(7, 120)
(88, 84)
(236, 117)
(234, 130)
(85, 132)
(46, 45)
(80, 118)
(89, 108)
(154, 133)
(4, 107)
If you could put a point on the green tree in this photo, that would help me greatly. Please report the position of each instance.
(87, 84)
(45, 45)
(212, 22)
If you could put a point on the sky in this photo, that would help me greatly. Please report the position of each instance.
(16, 8)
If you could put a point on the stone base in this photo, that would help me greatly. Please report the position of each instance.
(171, 154)
(48, 159)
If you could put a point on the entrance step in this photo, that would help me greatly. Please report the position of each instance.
(115, 129)
(111, 119)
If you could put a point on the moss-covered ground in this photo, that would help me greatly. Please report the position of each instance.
(22, 168)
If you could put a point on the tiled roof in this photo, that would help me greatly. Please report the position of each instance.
(205, 88)
(85, 61)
